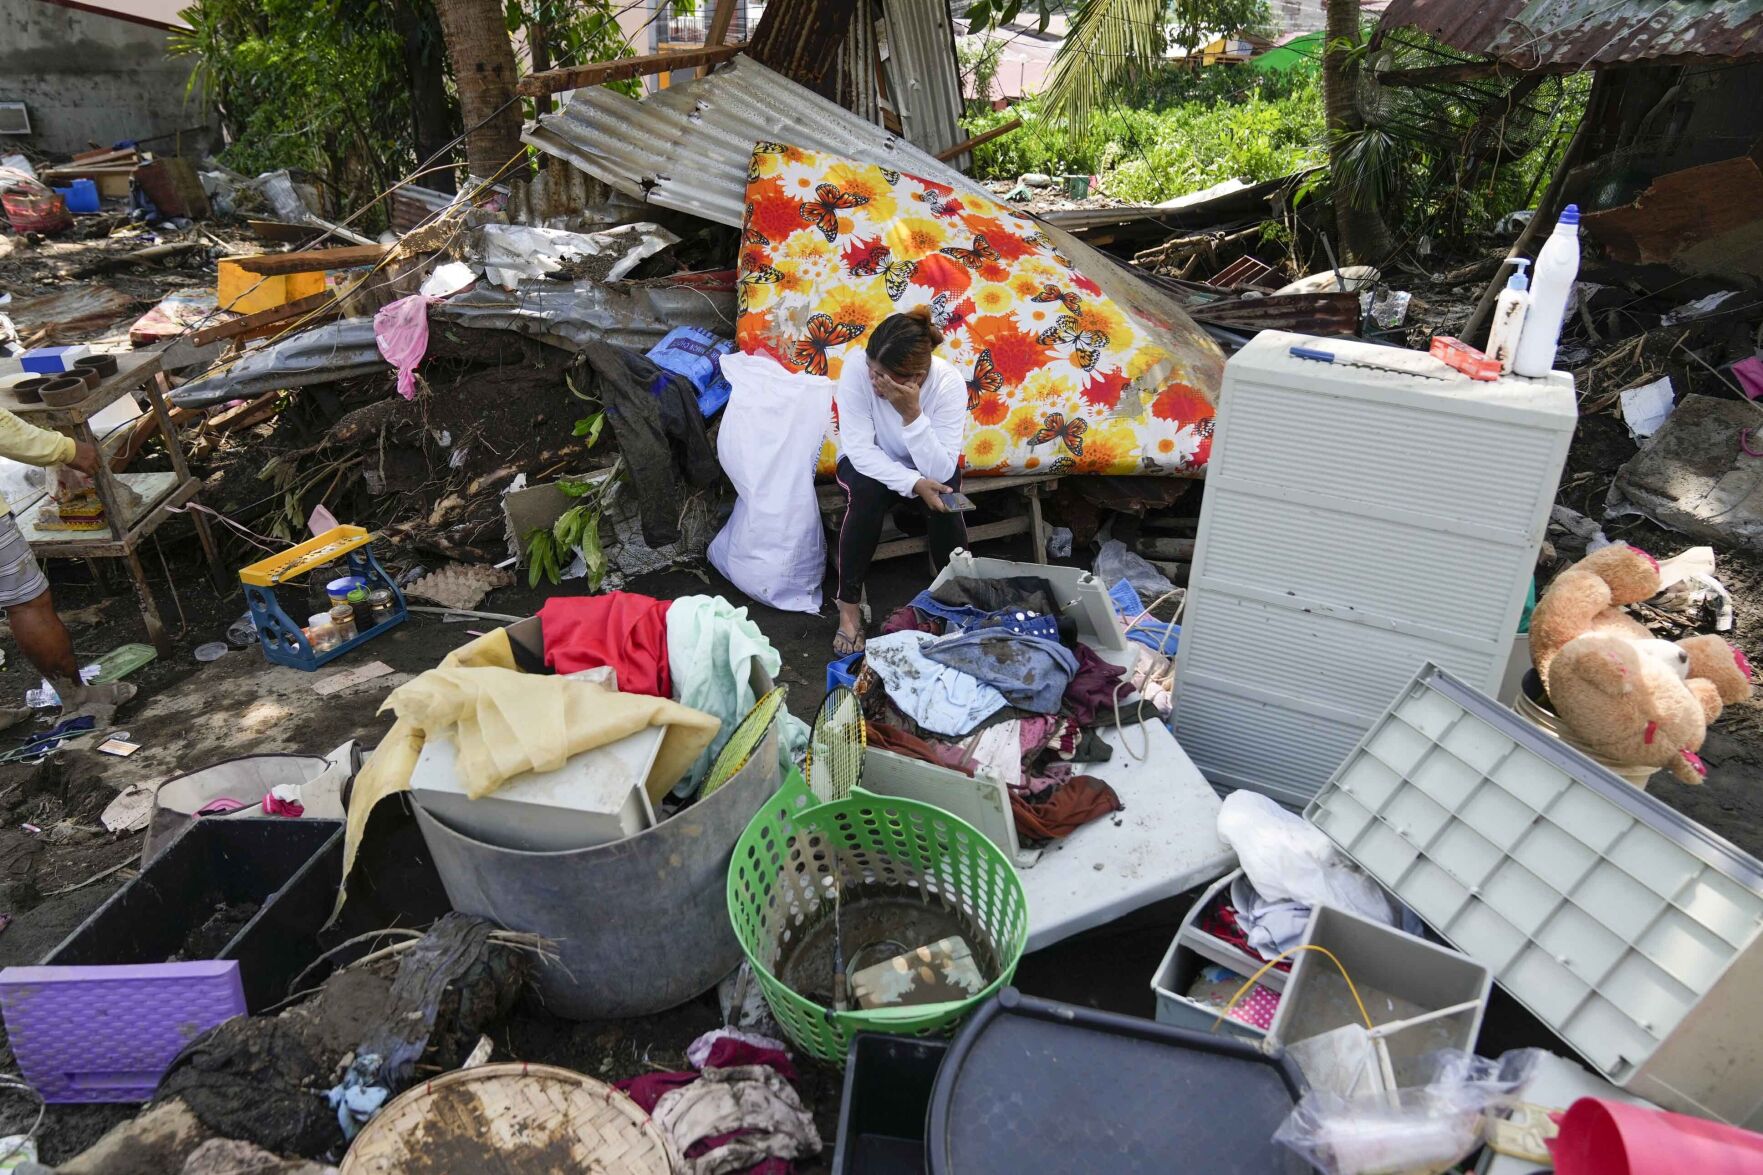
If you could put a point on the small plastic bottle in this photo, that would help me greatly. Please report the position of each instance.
(1551, 283)
(1510, 312)
(321, 634)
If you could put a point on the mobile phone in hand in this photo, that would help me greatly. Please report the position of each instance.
(957, 502)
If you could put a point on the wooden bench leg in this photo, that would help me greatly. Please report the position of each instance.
(1037, 533)
(156, 634)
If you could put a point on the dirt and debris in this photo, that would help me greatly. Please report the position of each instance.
(209, 937)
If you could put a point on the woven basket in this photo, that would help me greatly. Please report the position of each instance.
(511, 1117)
(782, 875)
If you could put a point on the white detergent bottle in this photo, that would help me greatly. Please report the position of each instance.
(1510, 311)
(1551, 281)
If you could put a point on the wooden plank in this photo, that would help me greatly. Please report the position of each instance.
(311, 260)
(575, 77)
(271, 317)
(718, 31)
(998, 131)
(975, 534)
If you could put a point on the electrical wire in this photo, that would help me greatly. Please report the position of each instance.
(1249, 983)
(15, 1082)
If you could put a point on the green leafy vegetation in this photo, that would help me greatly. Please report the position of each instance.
(1258, 129)
(313, 85)
(550, 550)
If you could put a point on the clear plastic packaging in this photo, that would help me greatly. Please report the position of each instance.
(1424, 1128)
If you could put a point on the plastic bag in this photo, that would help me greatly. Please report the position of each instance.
(1288, 858)
(1115, 562)
(1419, 1129)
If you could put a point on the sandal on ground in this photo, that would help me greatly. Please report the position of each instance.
(846, 643)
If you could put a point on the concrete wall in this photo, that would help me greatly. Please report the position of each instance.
(89, 79)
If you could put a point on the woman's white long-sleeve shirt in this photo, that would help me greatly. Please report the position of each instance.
(880, 445)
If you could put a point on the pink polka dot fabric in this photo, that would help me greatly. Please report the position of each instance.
(1257, 1007)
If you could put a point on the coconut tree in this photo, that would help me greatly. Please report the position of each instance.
(484, 72)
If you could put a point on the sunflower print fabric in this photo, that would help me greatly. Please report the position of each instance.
(1059, 378)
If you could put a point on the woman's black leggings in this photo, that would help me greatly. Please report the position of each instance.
(867, 503)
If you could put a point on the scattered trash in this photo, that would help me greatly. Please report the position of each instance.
(212, 651)
(121, 747)
(1644, 409)
(1389, 307)
(324, 687)
(1059, 540)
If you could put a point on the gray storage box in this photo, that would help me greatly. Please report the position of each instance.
(1180, 967)
(1217, 950)
(1627, 928)
(1397, 976)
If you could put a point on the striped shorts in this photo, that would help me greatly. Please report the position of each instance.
(21, 580)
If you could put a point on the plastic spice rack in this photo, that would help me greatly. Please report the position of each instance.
(281, 636)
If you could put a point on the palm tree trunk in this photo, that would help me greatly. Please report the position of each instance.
(484, 72)
(433, 120)
(1364, 236)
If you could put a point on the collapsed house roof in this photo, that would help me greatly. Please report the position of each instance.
(1572, 34)
(688, 148)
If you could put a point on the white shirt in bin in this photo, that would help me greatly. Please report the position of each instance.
(879, 445)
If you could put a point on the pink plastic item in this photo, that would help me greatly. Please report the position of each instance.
(1601, 1137)
(401, 330)
(1749, 373)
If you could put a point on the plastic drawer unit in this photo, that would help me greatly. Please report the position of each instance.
(1627, 928)
(1358, 523)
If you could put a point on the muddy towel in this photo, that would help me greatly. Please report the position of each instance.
(941, 699)
(1030, 672)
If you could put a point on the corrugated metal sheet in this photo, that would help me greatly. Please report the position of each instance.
(803, 39)
(687, 148)
(1533, 34)
(924, 82)
(854, 82)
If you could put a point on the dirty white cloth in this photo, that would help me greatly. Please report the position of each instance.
(773, 547)
(1271, 927)
(940, 698)
(712, 650)
(1289, 859)
(754, 1098)
(401, 332)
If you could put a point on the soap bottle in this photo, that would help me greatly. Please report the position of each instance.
(1551, 282)
(1510, 312)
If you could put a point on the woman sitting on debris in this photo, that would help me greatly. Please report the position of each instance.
(901, 415)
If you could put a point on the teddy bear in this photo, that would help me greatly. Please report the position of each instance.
(1627, 696)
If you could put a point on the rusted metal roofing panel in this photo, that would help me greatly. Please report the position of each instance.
(924, 82)
(802, 39)
(855, 88)
(1536, 34)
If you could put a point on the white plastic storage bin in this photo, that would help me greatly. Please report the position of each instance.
(1175, 975)
(595, 798)
(1216, 950)
(1627, 928)
(1398, 978)
(1357, 524)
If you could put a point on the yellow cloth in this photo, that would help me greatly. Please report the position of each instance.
(30, 445)
(505, 723)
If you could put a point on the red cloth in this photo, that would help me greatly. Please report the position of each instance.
(1078, 801)
(1092, 689)
(1220, 921)
(622, 629)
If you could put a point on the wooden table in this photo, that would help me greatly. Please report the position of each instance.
(160, 492)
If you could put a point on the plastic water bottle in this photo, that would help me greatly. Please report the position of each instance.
(1551, 281)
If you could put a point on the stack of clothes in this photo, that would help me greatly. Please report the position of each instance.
(983, 675)
(736, 1109)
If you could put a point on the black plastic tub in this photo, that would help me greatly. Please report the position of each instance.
(888, 1081)
(288, 869)
(1033, 1085)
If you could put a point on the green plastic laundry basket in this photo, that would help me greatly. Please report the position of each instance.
(781, 876)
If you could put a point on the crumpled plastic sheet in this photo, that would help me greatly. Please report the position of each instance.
(517, 253)
(563, 315)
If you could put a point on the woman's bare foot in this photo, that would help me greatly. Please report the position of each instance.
(849, 638)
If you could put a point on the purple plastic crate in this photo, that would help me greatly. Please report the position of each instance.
(108, 1034)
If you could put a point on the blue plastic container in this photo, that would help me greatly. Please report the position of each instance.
(82, 197)
(843, 672)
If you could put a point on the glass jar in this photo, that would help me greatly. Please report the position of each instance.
(381, 602)
(321, 634)
(343, 621)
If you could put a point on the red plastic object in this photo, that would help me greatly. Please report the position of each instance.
(1601, 1137)
(1459, 354)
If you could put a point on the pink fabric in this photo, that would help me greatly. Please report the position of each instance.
(1257, 1007)
(1750, 376)
(401, 331)
(276, 806)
